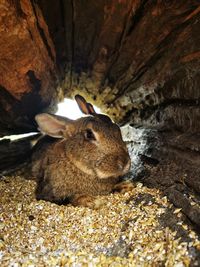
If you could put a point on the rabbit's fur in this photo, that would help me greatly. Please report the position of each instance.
(87, 160)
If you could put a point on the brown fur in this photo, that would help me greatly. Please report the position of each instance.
(76, 168)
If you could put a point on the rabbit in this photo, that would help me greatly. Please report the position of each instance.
(79, 159)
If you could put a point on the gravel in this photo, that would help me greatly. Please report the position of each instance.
(125, 232)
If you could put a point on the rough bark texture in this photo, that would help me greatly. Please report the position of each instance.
(139, 60)
(27, 65)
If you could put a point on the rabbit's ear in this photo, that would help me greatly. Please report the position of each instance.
(91, 108)
(84, 106)
(53, 125)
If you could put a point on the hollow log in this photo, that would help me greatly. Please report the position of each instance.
(137, 60)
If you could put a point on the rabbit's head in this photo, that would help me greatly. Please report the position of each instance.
(93, 143)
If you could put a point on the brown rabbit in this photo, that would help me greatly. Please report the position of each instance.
(85, 162)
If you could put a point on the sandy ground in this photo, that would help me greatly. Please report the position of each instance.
(138, 228)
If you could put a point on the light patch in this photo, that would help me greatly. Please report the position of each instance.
(69, 108)
(18, 136)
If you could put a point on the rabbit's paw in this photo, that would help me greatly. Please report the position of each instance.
(88, 201)
(124, 187)
(98, 203)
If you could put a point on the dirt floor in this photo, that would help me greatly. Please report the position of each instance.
(138, 228)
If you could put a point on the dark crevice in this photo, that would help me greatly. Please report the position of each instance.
(63, 57)
(127, 116)
(62, 15)
(120, 43)
(33, 97)
(191, 154)
(161, 51)
(19, 10)
(42, 34)
(31, 35)
(63, 24)
(72, 42)
(127, 86)
(35, 83)
(149, 110)
(149, 160)
(176, 102)
(125, 33)
(187, 12)
(8, 120)
(136, 17)
(6, 97)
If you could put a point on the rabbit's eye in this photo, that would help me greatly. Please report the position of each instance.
(89, 135)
